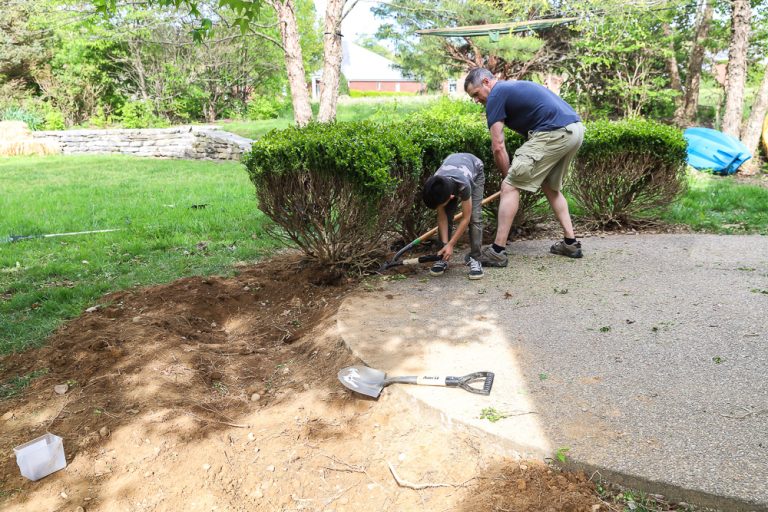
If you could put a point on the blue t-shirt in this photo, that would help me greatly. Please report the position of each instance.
(527, 107)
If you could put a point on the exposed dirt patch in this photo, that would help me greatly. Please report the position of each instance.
(221, 394)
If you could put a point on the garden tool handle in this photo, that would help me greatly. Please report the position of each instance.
(448, 381)
(459, 215)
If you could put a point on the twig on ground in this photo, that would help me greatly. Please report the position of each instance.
(418, 487)
(236, 425)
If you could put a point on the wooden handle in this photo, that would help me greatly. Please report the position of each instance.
(459, 215)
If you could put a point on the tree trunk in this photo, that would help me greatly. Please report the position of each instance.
(737, 67)
(687, 110)
(294, 63)
(753, 128)
(674, 73)
(332, 54)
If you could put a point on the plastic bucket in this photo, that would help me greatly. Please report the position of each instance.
(41, 457)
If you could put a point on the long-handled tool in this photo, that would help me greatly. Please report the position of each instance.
(394, 262)
(370, 381)
(18, 238)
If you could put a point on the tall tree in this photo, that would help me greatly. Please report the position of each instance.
(753, 127)
(294, 61)
(690, 101)
(332, 55)
(737, 67)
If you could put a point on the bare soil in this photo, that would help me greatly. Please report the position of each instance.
(214, 393)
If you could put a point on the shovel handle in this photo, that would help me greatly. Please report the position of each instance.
(448, 381)
(458, 216)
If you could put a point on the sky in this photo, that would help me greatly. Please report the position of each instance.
(359, 22)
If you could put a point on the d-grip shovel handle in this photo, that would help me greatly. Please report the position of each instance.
(448, 381)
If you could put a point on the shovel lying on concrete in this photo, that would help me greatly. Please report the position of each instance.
(413, 261)
(370, 381)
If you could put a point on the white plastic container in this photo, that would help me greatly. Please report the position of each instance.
(41, 457)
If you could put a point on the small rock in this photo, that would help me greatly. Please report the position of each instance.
(147, 474)
(246, 288)
(344, 500)
(136, 319)
(523, 467)
(401, 457)
(271, 469)
(7, 416)
(286, 371)
(206, 467)
(93, 308)
(306, 387)
(251, 436)
(61, 389)
(256, 450)
(103, 431)
(85, 262)
(258, 494)
(63, 495)
(595, 508)
(79, 509)
(255, 397)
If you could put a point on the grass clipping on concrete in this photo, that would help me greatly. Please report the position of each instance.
(16, 140)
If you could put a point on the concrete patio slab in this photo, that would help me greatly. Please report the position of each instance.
(646, 359)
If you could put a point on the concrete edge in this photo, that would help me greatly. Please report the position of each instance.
(670, 492)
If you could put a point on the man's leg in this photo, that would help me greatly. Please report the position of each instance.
(560, 207)
(508, 205)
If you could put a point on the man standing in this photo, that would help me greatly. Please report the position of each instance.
(553, 132)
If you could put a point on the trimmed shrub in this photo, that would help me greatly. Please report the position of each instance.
(626, 171)
(335, 190)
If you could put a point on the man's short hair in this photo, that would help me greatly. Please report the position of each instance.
(475, 77)
(437, 190)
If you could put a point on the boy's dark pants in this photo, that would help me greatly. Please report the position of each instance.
(476, 221)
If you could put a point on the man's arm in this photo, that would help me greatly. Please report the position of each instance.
(500, 155)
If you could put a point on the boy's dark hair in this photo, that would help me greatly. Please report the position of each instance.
(437, 190)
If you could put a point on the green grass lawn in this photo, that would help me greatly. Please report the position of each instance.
(45, 281)
(389, 109)
(719, 204)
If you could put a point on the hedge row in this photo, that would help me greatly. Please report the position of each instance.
(337, 190)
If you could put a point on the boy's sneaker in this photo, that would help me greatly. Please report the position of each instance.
(475, 269)
(490, 258)
(439, 268)
(563, 249)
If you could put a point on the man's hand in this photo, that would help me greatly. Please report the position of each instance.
(446, 252)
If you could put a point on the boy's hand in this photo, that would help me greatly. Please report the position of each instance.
(446, 252)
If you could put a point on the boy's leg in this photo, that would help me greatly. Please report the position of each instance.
(476, 222)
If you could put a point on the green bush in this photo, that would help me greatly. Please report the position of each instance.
(54, 120)
(140, 114)
(263, 107)
(335, 190)
(627, 171)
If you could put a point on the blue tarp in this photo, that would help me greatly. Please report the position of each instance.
(714, 150)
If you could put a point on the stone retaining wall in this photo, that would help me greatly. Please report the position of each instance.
(192, 142)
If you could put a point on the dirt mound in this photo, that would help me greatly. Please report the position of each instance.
(220, 393)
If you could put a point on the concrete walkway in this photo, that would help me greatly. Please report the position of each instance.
(647, 359)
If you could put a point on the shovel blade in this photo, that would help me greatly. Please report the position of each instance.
(362, 379)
